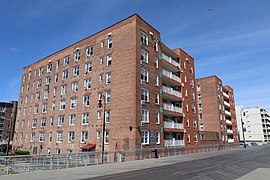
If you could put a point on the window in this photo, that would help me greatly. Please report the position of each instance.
(41, 137)
(107, 116)
(99, 115)
(156, 80)
(59, 137)
(145, 115)
(188, 138)
(86, 101)
(73, 103)
(74, 86)
(53, 106)
(193, 108)
(88, 67)
(194, 123)
(57, 64)
(144, 38)
(48, 80)
(102, 43)
(200, 117)
(157, 117)
(39, 83)
(51, 121)
(37, 95)
(156, 46)
(185, 65)
(199, 97)
(100, 77)
(62, 105)
(110, 43)
(109, 60)
(71, 136)
(66, 60)
(61, 120)
(187, 121)
(190, 69)
(108, 78)
(201, 127)
(43, 122)
(191, 81)
(185, 78)
(192, 94)
(84, 136)
(85, 118)
(101, 60)
(200, 107)
(65, 75)
(144, 95)
(198, 87)
(195, 137)
(89, 51)
(77, 56)
(157, 137)
(34, 125)
(33, 137)
(36, 109)
(157, 98)
(107, 135)
(56, 78)
(87, 84)
(49, 67)
(144, 56)
(187, 106)
(76, 71)
(40, 71)
(145, 137)
(98, 134)
(63, 89)
(186, 92)
(156, 62)
(46, 94)
(144, 75)
(108, 97)
(54, 91)
(72, 119)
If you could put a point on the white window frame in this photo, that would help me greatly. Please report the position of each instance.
(75, 86)
(144, 95)
(61, 121)
(88, 67)
(77, 56)
(144, 75)
(144, 56)
(84, 137)
(73, 103)
(107, 137)
(71, 136)
(85, 118)
(62, 105)
(66, 60)
(144, 38)
(76, 71)
(65, 75)
(87, 84)
(108, 97)
(145, 115)
(89, 51)
(108, 78)
(72, 119)
(145, 137)
(157, 137)
(107, 116)
(109, 60)
(59, 137)
(86, 101)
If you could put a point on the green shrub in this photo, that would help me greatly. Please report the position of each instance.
(22, 152)
(3, 154)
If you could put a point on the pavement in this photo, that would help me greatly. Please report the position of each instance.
(130, 166)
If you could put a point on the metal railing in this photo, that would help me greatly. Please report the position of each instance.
(171, 75)
(171, 107)
(29, 163)
(170, 60)
(172, 125)
(171, 91)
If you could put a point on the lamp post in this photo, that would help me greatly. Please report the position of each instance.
(243, 114)
(103, 124)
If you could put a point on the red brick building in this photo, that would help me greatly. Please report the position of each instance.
(217, 116)
(139, 81)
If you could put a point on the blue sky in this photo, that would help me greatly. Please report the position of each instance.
(227, 38)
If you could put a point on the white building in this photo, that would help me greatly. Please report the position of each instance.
(256, 125)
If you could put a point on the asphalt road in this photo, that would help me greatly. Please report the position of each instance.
(223, 167)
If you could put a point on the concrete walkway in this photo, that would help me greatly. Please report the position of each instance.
(114, 168)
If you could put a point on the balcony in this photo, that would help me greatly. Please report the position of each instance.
(172, 125)
(226, 95)
(230, 140)
(230, 131)
(172, 108)
(172, 92)
(228, 121)
(227, 104)
(228, 113)
(173, 79)
(170, 64)
(173, 143)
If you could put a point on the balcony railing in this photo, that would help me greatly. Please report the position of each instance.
(173, 143)
(229, 131)
(230, 140)
(226, 103)
(228, 121)
(225, 94)
(171, 107)
(171, 75)
(170, 60)
(172, 125)
(228, 113)
(171, 91)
